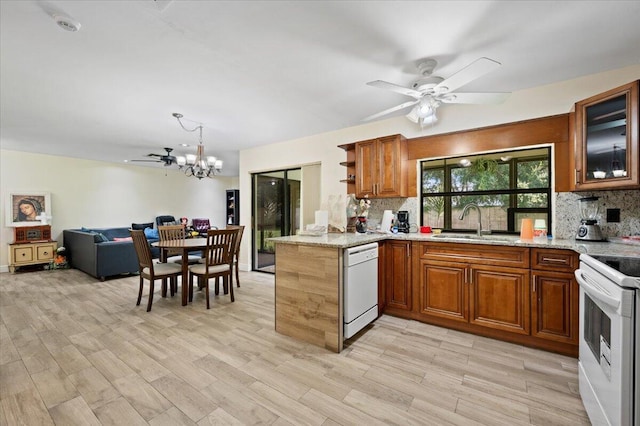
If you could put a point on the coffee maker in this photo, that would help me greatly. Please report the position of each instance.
(403, 221)
(589, 229)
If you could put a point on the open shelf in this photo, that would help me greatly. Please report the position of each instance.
(350, 164)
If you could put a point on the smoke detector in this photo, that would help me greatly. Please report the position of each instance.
(67, 23)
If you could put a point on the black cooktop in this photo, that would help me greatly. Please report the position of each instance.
(629, 266)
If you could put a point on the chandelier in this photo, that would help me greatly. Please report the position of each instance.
(197, 165)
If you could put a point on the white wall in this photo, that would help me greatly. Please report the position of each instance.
(99, 194)
(553, 99)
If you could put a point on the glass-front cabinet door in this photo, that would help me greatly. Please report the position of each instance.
(607, 140)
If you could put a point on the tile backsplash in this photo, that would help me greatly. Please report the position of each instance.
(566, 217)
(567, 212)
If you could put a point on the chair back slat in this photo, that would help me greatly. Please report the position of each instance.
(171, 232)
(240, 229)
(220, 246)
(143, 250)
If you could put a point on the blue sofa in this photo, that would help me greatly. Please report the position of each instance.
(95, 251)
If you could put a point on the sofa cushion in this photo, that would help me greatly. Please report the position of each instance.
(99, 237)
(141, 226)
(122, 239)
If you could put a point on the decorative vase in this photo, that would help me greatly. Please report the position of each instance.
(361, 224)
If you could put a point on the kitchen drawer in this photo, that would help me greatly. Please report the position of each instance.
(483, 254)
(554, 260)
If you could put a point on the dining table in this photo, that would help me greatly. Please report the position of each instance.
(187, 245)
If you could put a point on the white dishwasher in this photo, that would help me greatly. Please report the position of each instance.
(360, 287)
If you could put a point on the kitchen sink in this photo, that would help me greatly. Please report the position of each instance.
(467, 237)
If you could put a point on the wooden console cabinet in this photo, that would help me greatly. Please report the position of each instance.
(31, 254)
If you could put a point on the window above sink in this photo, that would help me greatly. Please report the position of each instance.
(506, 186)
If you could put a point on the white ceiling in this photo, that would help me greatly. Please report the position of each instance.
(257, 72)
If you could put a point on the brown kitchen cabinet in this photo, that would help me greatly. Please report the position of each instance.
(515, 294)
(554, 295)
(443, 290)
(380, 167)
(606, 140)
(479, 294)
(397, 274)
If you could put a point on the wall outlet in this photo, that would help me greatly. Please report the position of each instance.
(613, 215)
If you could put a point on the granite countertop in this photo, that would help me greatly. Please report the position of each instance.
(347, 240)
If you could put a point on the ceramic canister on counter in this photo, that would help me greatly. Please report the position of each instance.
(540, 230)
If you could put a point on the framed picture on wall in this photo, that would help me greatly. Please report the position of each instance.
(24, 209)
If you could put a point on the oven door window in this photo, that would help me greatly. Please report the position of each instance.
(597, 329)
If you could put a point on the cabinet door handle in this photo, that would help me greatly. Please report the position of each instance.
(577, 176)
(470, 275)
(534, 284)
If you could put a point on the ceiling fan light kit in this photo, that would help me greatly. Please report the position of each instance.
(430, 91)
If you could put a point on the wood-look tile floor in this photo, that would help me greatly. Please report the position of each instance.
(76, 351)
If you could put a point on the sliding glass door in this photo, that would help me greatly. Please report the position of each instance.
(276, 213)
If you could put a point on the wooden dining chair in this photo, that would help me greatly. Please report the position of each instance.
(219, 261)
(150, 271)
(175, 232)
(236, 250)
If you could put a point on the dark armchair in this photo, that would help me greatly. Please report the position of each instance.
(166, 220)
(201, 226)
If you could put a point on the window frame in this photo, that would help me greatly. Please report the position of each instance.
(517, 156)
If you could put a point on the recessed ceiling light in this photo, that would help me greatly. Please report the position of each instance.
(184, 144)
(67, 23)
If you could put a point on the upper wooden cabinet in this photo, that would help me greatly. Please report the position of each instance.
(606, 140)
(380, 166)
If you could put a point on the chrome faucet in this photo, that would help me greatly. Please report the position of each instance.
(464, 211)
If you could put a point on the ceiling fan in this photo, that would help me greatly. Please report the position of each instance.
(430, 91)
(167, 158)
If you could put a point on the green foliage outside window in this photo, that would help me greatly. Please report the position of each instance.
(501, 184)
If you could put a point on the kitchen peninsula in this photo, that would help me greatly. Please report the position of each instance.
(309, 285)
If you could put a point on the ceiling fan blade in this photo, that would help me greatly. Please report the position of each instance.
(474, 70)
(473, 98)
(390, 110)
(395, 88)
(147, 161)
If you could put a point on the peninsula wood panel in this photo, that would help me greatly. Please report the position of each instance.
(308, 285)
